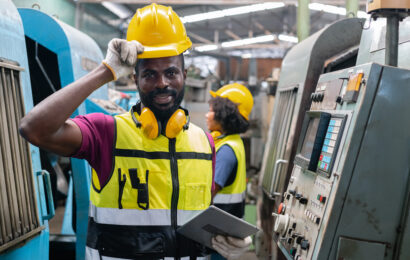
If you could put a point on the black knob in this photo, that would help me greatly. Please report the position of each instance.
(289, 241)
(312, 96)
(299, 239)
(304, 244)
(339, 99)
(321, 96)
(303, 200)
(295, 235)
(294, 225)
(317, 220)
(290, 231)
(298, 196)
(293, 192)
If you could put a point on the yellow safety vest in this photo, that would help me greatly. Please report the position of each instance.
(155, 187)
(231, 198)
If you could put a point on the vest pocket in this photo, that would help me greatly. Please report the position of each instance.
(195, 196)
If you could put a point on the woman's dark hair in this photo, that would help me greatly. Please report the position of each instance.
(227, 114)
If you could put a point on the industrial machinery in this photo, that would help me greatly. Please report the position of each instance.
(24, 186)
(301, 69)
(34, 63)
(352, 160)
(351, 148)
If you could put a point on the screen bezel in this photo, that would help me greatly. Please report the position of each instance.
(324, 119)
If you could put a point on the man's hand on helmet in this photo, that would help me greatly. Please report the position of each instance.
(122, 57)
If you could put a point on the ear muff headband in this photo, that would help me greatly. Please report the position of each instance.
(178, 121)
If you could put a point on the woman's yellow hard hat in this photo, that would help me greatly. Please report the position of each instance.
(159, 29)
(239, 94)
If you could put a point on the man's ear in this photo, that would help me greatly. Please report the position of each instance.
(185, 71)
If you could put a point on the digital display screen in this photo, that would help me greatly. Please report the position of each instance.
(309, 140)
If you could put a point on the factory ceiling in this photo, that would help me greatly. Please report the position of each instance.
(216, 23)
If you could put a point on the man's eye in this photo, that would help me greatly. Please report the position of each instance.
(171, 73)
(148, 75)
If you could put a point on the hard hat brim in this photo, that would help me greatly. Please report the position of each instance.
(164, 51)
(213, 93)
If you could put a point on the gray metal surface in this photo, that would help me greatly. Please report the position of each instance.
(301, 68)
(373, 43)
(381, 168)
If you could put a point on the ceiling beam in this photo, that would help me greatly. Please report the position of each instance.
(232, 35)
(199, 38)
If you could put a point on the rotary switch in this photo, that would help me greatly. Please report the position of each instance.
(281, 223)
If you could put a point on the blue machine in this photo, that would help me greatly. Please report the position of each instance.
(12, 53)
(57, 55)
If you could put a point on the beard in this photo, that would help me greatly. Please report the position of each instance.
(161, 112)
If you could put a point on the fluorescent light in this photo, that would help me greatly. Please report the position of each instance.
(246, 56)
(287, 38)
(208, 47)
(334, 10)
(231, 12)
(247, 41)
(117, 9)
(327, 8)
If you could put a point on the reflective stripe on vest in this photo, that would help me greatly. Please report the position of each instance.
(158, 184)
(91, 253)
(136, 217)
(235, 192)
(228, 198)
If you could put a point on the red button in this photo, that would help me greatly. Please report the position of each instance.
(280, 208)
(321, 157)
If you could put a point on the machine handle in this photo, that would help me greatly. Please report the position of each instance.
(279, 161)
(50, 202)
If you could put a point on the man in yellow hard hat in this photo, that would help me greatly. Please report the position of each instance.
(152, 169)
(228, 117)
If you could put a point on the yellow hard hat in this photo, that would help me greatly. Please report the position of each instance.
(159, 29)
(239, 94)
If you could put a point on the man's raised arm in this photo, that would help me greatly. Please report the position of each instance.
(48, 126)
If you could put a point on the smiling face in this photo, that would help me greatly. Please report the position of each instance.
(160, 83)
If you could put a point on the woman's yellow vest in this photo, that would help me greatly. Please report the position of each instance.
(231, 198)
(155, 186)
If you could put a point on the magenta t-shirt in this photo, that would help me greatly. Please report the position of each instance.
(97, 144)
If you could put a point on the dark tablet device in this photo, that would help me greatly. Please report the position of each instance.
(214, 221)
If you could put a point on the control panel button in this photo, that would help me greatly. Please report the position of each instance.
(298, 196)
(321, 198)
(293, 251)
(281, 208)
(299, 239)
(303, 200)
(293, 192)
(289, 241)
(304, 244)
(294, 225)
(317, 220)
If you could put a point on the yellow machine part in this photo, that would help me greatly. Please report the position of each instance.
(376, 5)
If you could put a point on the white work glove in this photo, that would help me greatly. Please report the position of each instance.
(122, 56)
(230, 247)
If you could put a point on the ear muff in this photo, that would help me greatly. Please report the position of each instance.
(149, 124)
(176, 123)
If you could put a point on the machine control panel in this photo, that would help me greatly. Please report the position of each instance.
(304, 203)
